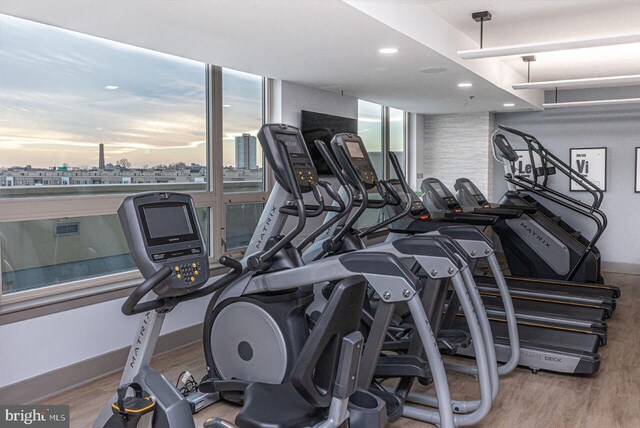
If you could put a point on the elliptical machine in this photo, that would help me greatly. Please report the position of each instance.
(386, 274)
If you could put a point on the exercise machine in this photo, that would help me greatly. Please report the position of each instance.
(166, 243)
(250, 339)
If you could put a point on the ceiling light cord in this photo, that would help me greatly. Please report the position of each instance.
(481, 31)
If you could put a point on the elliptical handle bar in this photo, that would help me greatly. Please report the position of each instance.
(345, 208)
(132, 305)
(407, 193)
(258, 261)
(335, 241)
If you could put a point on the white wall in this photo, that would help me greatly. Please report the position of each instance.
(40, 345)
(296, 97)
(614, 127)
(457, 145)
(36, 346)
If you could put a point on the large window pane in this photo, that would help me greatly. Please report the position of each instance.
(56, 251)
(242, 111)
(396, 137)
(242, 220)
(370, 130)
(80, 114)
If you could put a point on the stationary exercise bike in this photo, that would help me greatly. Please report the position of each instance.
(166, 243)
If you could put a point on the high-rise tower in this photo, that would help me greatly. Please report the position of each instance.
(246, 152)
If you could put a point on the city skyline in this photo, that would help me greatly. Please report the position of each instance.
(63, 93)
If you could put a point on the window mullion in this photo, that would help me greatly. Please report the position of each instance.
(215, 136)
(386, 165)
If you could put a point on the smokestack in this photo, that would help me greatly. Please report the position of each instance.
(101, 157)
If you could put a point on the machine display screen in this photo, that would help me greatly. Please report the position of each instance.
(440, 190)
(168, 223)
(291, 142)
(470, 188)
(354, 149)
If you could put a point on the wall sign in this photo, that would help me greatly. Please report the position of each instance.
(637, 189)
(523, 164)
(592, 164)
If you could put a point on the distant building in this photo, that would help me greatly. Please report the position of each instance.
(246, 157)
(19, 176)
(101, 156)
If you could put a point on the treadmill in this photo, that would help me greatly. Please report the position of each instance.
(470, 198)
(544, 345)
(539, 300)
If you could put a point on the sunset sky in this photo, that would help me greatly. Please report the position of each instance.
(63, 93)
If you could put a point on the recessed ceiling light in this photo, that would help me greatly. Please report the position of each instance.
(465, 85)
(111, 87)
(509, 104)
(388, 50)
(226, 105)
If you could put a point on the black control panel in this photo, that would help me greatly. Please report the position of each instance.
(162, 230)
(440, 194)
(418, 210)
(352, 146)
(274, 137)
(465, 186)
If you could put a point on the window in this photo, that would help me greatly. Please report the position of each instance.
(382, 130)
(61, 250)
(242, 115)
(243, 164)
(397, 137)
(89, 120)
(242, 219)
(82, 114)
(370, 130)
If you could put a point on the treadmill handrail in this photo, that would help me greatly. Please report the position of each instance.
(536, 146)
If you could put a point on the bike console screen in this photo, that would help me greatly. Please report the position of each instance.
(162, 230)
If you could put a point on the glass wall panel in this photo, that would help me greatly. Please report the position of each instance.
(56, 251)
(370, 130)
(242, 220)
(396, 137)
(80, 114)
(242, 111)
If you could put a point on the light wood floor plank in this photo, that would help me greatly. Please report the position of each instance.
(610, 398)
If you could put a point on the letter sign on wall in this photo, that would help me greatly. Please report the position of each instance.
(523, 164)
(591, 163)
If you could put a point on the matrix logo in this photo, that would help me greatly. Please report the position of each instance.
(34, 416)
(535, 235)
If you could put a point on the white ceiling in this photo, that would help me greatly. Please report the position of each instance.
(325, 44)
(333, 44)
(528, 21)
